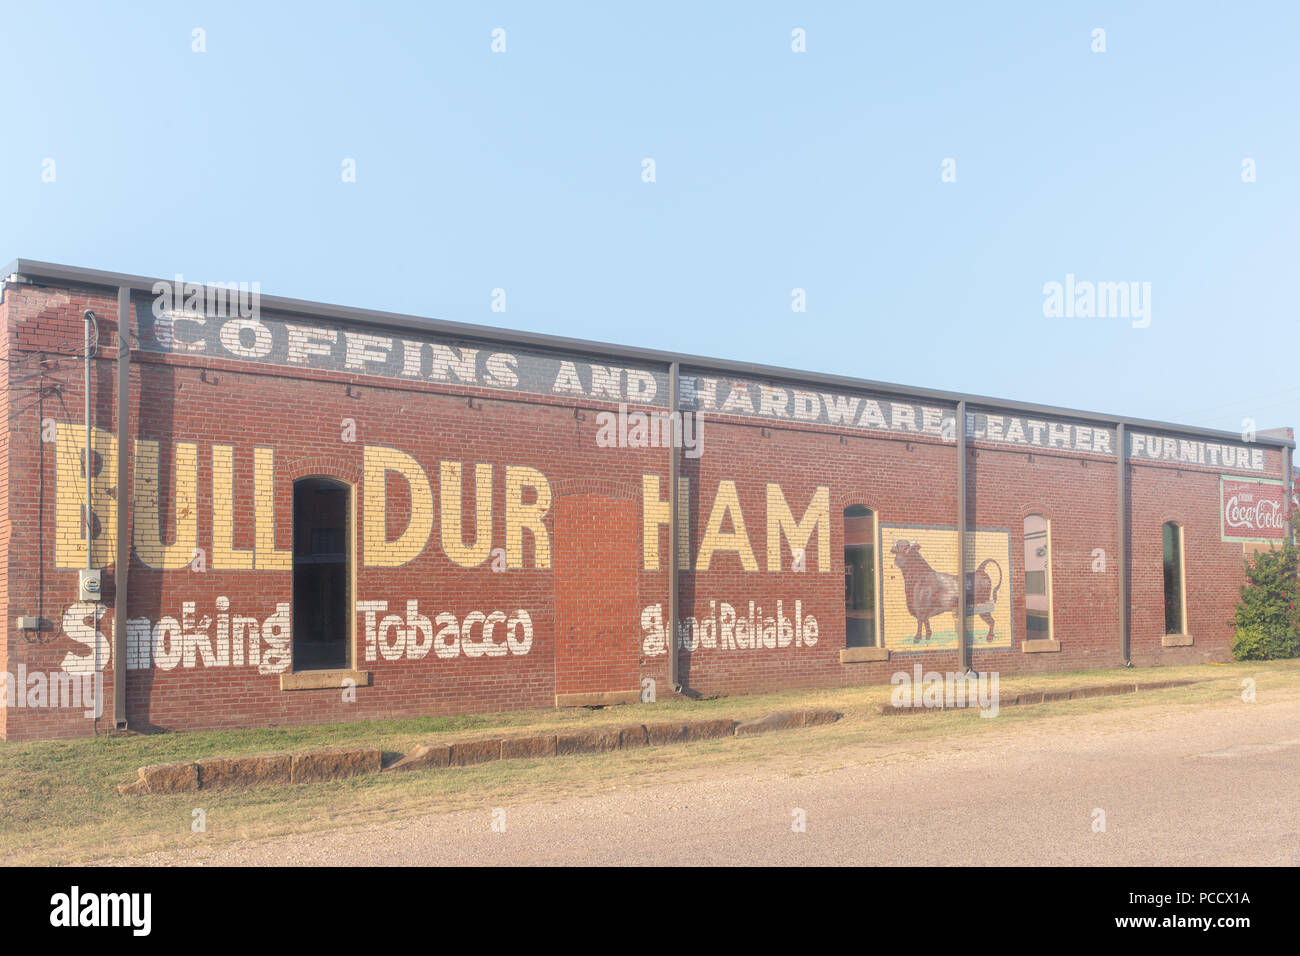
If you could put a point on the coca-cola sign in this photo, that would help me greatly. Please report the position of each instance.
(1252, 510)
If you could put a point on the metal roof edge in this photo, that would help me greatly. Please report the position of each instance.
(51, 273)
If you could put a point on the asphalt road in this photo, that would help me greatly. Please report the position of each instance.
(1177, 786)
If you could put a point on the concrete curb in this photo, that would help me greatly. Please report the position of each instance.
(318, 765)
(1045, 697)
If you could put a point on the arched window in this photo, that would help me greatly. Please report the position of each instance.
(322, 574)
(1038, 579)
(1175, 583)
(859, 577)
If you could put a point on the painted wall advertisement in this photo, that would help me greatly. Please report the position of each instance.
(1252, 509)
(920, 598)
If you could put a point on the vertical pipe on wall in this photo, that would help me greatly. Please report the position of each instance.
(89, 318)
(674, 680)
(1288, 481)
(963, 653)
(123, 556)
(1121, 458)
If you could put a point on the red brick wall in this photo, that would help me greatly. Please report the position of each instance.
(586, 609)
(595, 571)
(1077, 494)
(6, 410)
(44, 341)
(1214, 568)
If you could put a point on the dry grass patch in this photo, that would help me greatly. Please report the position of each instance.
(59, 803)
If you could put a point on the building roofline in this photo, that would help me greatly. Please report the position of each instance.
(53, 273)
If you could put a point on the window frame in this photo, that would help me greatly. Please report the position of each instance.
(1182, 636)
(1048, 644)
(875, 651)
(348, 669)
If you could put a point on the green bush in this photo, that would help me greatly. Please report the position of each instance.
(1257, 643)
(1268, 614)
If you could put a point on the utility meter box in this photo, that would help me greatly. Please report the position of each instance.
(89, 584)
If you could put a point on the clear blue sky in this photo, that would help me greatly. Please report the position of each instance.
(774, 170)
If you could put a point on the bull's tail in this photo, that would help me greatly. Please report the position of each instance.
(994, 595)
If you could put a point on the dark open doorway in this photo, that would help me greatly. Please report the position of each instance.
(322, 549)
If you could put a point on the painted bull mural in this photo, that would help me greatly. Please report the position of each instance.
(930, 593)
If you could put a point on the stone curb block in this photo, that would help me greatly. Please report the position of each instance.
(314, 766)
(210, 773)
(633, 736)
(589, 741)
(466, 752)
(1043, 697)
(786, 720)
(540, 745)
(672, 732)
(781, 720)
(659, 734)
(820, 715)
(424, 756)
(216, 772)
(711, 729)
(319, 765)
(178, 777)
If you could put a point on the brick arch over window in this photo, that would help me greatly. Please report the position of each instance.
(600, 487)
(1035, 508)
(1177, 517)
(324, 466)
(845, 499)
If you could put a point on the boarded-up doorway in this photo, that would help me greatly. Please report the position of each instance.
(596, 554)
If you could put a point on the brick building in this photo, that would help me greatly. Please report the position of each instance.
(334, 514)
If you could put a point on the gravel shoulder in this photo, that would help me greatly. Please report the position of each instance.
(1173, 783)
